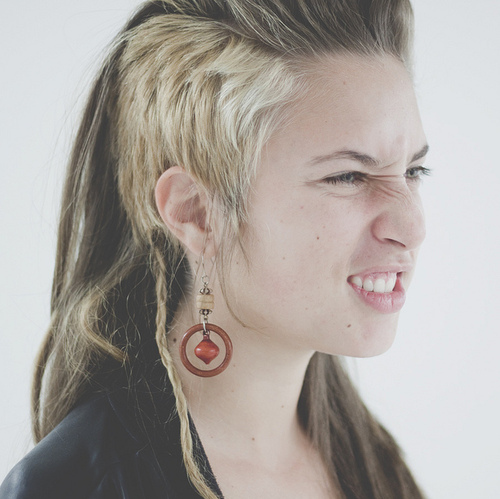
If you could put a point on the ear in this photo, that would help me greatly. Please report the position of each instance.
(184, 207)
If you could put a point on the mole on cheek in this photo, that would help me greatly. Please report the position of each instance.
(348, 325)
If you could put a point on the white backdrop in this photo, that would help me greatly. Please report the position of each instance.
(437, 389)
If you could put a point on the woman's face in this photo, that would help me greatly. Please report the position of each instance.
(330, 251)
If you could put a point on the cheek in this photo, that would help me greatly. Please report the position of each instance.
(275, 255)
(300, 245)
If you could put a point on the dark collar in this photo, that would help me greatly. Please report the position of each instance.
(150, 418)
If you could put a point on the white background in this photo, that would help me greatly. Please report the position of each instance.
(437, 389)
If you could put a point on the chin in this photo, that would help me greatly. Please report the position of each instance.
(374, 349)
(376, 340)
(373, 339)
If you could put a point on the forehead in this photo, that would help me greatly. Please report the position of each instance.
(354, 102)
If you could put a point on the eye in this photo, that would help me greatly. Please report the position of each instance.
(417, 172)
(347, 178)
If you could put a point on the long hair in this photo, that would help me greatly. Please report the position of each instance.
(202, 84)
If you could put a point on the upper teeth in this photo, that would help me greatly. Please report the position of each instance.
(378, 285)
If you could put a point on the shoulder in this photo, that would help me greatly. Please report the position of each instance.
(86, 456)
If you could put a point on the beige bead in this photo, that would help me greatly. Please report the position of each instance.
(205, 302)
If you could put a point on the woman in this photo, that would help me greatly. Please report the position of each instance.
(265, 153)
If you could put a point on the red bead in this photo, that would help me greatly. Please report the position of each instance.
(206, 350)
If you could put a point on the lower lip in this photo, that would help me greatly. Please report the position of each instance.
(385, 303)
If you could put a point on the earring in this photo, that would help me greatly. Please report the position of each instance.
(206, 350)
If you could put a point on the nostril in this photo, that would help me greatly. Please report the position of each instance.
(395, 242)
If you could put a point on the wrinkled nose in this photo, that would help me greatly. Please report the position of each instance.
(401, 221)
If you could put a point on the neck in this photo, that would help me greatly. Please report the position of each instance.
(252, 405)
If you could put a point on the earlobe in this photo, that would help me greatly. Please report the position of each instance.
(184, 208)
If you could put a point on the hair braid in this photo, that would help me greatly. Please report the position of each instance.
(193, 470)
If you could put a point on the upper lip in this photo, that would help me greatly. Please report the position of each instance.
(385, 268)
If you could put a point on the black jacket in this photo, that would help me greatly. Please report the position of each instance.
(107, 449)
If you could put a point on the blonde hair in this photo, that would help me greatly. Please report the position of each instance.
(202, 84)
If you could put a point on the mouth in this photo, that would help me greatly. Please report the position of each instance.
(376, 282)
(382, 291)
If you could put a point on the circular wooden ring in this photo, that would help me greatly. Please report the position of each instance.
(227, 344)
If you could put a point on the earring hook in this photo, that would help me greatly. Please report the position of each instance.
(205, 279)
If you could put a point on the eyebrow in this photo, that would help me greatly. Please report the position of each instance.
(364, 159)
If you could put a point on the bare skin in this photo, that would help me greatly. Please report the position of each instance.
(307, 239)
(249, 427)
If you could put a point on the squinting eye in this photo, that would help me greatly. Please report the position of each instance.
(347, 178)
(417, 172)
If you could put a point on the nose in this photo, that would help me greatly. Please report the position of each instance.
(401, 221)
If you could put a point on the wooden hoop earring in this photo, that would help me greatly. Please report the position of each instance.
(206, 350)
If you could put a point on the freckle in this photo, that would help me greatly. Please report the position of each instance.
(301, 207)
(307, 308)
(282, 406)
(175, 340)
(253, 438)
(284, 258)
(348, 325)
(317, 238)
